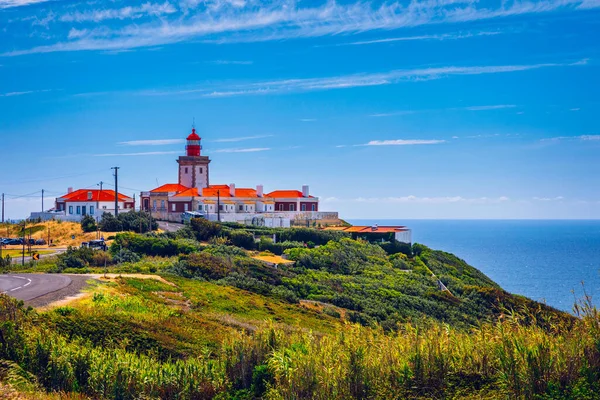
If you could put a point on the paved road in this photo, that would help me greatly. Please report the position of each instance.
(31, 286)
(18, 259)
(169, 226)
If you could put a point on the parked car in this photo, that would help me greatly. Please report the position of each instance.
(95, 244)
(40, 242)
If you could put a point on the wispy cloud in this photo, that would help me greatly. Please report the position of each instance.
(486, 108)
(546, 199)
(307, 119)
(152, 142)
(402, 142)
(425, 200)
(357, 80)
(146, 9)
(240, 139)
(12, 94)
(470, 108)
(230, 62)
(259, 20)
(443, 36)
(147, 153)
(19, 3)
(248, 150)
(582, 138)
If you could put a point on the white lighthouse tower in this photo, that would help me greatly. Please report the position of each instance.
(193, 167)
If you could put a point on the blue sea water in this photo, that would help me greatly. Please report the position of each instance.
(544, 260)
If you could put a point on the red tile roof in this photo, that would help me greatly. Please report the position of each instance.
(212, 191)
(94, 195)
(192, 192)
(245, 192)
(286, 194)
(373, 229)
(169, 188)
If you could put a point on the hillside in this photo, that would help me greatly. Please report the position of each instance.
(347, 320)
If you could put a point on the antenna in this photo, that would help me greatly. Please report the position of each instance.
(194, 122)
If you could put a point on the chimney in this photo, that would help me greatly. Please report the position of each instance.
(304, 190)
(89, 195)
(232, 189)
(69, 190)
(259, 190)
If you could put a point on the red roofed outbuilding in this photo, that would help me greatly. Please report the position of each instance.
(76, 204)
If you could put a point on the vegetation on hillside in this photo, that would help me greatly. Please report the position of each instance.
(349, 319)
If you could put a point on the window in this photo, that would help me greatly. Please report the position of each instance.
(70, 209)
(186, 171)
(173, 207)
(91, 210)
(292, 207)
(200, 169)
(314, 207)
(162, 204)
(303, 207)
(78, 210)
(241, 207)
(104, 207)
(185, 207)
(154, 204)
(281, 207)
(220, 207)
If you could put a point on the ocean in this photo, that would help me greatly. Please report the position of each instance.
(545, 260)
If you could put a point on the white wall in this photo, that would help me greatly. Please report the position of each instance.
(404, 237)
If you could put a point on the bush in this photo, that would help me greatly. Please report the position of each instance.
(126, 255)
(201, 264)
(101, 258)
(305, 235)
(74, 258)
(204, 229)
(242, 239)
(266, 244)
(88, 224)
(153, 245)
(109, 223)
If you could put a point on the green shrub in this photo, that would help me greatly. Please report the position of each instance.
(88, 224)
(241, 238)
(201, 264)
(204, 229)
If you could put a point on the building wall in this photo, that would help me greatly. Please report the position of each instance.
(404, 237)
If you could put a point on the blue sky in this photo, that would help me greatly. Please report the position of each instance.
(411, 109)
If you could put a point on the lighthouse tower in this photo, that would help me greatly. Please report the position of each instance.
(193, 167)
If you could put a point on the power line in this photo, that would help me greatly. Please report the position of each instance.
(51, 178)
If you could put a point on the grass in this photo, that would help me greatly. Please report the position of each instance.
(17, 253)
(510, 358)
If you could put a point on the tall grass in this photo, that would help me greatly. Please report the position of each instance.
(515, 357)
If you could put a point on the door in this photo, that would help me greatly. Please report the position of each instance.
(83, 210)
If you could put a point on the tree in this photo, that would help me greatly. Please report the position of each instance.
(88, 224)
(204, 229)
(109, 223)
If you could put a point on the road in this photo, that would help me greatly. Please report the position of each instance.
(170, 226)
(18, 259)
(30, 286)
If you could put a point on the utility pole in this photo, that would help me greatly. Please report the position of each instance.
(219, 205)
(116, 191)
(23, 257)
(2, 207)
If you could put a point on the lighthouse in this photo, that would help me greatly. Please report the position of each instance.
(193, 167)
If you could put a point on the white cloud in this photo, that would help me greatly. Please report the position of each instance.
(392, 114)
(485, 108)
(147, 153)
(574, 109)
(146, 9)
(248, 150)
(557, 198)
(425, 200)
(153, 142)
(19, 3)
(240, 139)
(230, 62)
(307, 119)
(583, 138)
(443, 36)
(402, 142)
(12, 94)
(356, 80)
(255, 20)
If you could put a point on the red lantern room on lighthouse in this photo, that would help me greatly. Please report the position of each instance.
(193, 168)
(193, 144)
